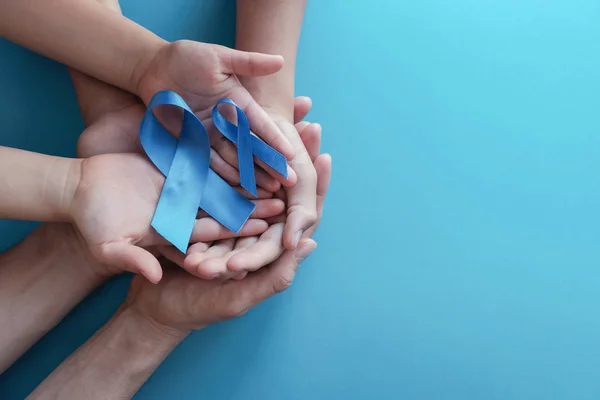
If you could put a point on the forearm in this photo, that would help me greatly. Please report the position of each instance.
(96, 98)
(114, 363)
(84, 35)
(36, 187)
(41, 280)
(272, 27)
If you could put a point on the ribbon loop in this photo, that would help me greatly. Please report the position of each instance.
(248, 146)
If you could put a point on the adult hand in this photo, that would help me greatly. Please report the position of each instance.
(182, 303)
(236, 257)
(301, 197)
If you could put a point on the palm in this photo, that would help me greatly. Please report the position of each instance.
(205, 73)
(116, 199)
(193, 70)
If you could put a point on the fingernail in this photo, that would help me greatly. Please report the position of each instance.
(298, 237)
(307, 248)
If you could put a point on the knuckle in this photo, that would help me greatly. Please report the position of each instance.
(311, 216)
(304, 213)
(305, 169)
(85, 146)
(283, 282)
(236, 309)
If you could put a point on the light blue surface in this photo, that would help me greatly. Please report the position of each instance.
(458, 256)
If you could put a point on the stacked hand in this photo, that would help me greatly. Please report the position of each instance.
(216, 253)
(203, 74)
(182, 302)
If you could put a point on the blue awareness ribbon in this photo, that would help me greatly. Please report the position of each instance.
(190, 182)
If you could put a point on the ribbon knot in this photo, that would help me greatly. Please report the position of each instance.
(190, 183)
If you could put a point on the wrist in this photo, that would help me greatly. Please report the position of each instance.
(72, 178)
(63, 246)
(272, 94)
(143, 334)
(113, 364)
(140, 72)
(146, 310)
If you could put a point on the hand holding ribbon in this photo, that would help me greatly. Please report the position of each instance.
(190, 183)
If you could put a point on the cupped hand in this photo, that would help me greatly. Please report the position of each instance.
(235, 257)
(183, 302)
(301, 195)
(113, 207)
(205, 73)
(117, 132)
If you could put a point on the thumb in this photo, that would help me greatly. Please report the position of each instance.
(133, 259)
(243, 63)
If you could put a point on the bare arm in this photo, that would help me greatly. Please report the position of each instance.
(155, 318)
(41, 280)
(36, 187)
(114, 363)
(96, 98)
(271, 27)
(84, 35)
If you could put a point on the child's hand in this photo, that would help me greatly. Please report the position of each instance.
(204, 73)
(113, 207)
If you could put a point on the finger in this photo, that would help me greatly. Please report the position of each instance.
(291, 179)
(243, 63)
(266, 250)
(172, 254)
(133, 259)
(300, 126)
(227, 152)
(262, 193)
(194, 259)
(263, 125)
(311, 138)
(278, 219)
(267, 208)
(230, 174)
(277, 277)
(239, 276)
(301, 201)
(323, 168)
(208, 229)
(217, 266)
(302, 106)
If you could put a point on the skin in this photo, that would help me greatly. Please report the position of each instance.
(119, 52)
(209, 260)
(273, 27)
(154, 319)
(101, 43)
(146, 328)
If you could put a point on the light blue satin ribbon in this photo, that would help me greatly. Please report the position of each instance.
(190, 183)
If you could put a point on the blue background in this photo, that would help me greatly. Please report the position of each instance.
(459, 253)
